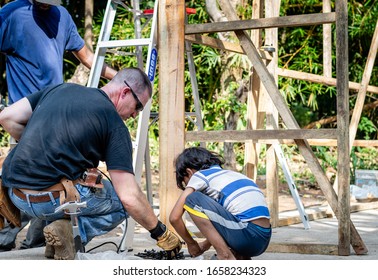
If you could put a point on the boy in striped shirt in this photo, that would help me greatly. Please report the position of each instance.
(228, 208)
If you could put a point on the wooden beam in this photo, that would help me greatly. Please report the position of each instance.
(214, 43)
(190, 136)
(222, 45)
(291, 123)
(244, 135)
(321, 142)
(274, 22)
(320, 79)
(302, 248)
(171, 105)
(327, 42)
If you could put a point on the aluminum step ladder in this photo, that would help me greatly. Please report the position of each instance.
(103, 46)
(293, 189)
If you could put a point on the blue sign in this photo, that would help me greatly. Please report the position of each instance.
(153, 62)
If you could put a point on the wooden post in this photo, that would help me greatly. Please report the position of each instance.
(327, 42)
(272, 183)
(359, 105)
(171, 99)
(255, 117)
(343, 171)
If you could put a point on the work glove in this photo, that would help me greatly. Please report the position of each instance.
(170, 243)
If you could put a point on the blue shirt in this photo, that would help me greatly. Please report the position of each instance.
(233, 190)
(34, 42)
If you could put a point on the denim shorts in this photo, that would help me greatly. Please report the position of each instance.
(104, 210)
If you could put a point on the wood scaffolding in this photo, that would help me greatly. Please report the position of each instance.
(173, 31)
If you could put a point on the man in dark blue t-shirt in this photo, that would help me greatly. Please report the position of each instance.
(66, 130)
(34, 36)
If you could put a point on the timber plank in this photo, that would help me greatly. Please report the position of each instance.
(171, 104)
(302, 248)
(320, 79)
(262, 23)
(222, 45)
(245, 135)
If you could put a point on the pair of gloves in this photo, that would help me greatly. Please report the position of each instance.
(167, 240)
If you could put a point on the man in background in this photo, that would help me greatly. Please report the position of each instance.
(34, 36)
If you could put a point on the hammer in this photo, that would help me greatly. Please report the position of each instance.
(72, 208)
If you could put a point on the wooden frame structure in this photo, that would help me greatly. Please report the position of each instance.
(173, 31)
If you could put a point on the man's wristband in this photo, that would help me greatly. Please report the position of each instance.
(158, 230)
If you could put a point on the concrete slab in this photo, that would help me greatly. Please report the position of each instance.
(325, 232)
(322, 232)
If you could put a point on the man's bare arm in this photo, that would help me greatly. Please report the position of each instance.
(133, 199)
(85, 56)
(15, 117)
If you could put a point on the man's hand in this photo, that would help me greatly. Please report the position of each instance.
(170, 243)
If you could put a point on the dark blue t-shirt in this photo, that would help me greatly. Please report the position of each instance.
(71, 129)
(34, 42)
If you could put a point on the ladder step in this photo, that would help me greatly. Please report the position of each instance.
(124, 43)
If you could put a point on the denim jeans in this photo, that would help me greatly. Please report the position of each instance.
(103, 213)
(34, 237)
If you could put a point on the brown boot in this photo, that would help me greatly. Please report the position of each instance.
(59, 235)
(49, 251)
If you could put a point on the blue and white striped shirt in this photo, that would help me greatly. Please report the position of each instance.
(233, 190)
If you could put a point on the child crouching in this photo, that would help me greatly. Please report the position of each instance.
(227, 207)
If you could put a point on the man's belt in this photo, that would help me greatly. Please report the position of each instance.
(34, 197)
(65, 190)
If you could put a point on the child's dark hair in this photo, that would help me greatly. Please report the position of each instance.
(195, 158)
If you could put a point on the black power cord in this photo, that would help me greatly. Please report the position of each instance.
(118, 247)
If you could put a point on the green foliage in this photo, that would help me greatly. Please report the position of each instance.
(327, 157)
(4, 138)
(367, 127)
(300, 49)
(364, 158)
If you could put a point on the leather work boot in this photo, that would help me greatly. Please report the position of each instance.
(49, 251)
(59, 240)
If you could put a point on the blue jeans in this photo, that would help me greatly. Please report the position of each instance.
(103, 213)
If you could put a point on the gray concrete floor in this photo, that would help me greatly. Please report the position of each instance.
(322, 231)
